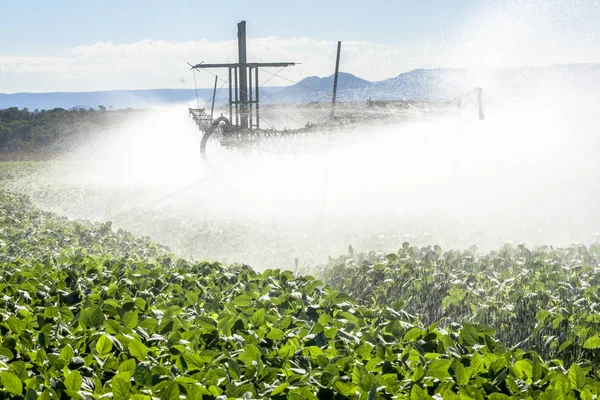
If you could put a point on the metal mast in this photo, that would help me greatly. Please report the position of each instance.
(335, 78)
(243, 74)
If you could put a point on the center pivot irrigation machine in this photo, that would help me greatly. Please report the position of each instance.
(241, 124)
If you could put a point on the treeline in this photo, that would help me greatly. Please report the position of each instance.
(53, 130)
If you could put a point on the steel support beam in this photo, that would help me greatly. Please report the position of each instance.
(250, 64)
(230, 98)
(257, 98)
(243, 74)
(237, 100)
(335, 79)
(212, 108)
(250, 96)
(480, 103)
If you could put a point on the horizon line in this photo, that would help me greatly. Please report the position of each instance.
(320, 77)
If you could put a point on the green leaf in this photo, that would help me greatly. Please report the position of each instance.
(345, 388)
(498, 396)
(142, 375)
(208, 355)
(6, 353)
(112, 289)
(592, 342)
(477, 363)
(276, 334)
(243, 300)
(462, 375)
(130, 320)
(66, 353)
(372, 392)
(112, 326)
(140, 304)
(562, 386)
(258, 318)
(542, 315)
(225, 324)
(486, 330)
(339, 298)
(586, 394)
(103, 346)
(576, 376)
(312, 351)
(348, 316)
(194, 362)
(418, 373)
(243, 390)
(127, 366)
(439, 369)
(73, 381)
(416, 393)
(96, 317)
(149, 324)
(196, 392)
(11, 383)
(364, 351)
(31, 394)
(536, 369)
(565, 346)
(280, 388)
(191, 297)
(51, 312)
(234, 369)
(469, 335)
(524, 367)
(413, 334)
(498, 365)
(15, 324)
(66, 313)
(139, 396)
(171, 392)
(250, 355)
(120, 388)
(138, 350)
(215, 390)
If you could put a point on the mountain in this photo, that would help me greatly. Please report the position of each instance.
(315, 88)
(419, 84)
(449, 83)
(117, 98)
(422, 84)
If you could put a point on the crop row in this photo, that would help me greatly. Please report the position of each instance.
(87, 312)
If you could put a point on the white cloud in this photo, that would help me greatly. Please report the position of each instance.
(158, 64)
(513, 34)
(20, 64)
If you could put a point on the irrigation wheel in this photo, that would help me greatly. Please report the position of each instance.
(213, 136)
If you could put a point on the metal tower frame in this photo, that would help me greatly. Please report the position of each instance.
(241, 87)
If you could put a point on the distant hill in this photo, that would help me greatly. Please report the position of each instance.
(419, 84)
(423, 84)
(315, 88)
(446, 84)
(116, 98)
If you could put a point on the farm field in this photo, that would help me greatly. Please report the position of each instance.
(195, 224)
(91, 311)
(310, 201)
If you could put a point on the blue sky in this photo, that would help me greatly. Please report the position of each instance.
(97, 45)
(48, 26)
